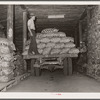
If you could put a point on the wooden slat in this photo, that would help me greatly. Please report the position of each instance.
(41, 56)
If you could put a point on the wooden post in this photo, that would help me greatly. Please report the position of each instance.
(10, 22)
(24, 35)
(75, 36)
(80, 31)
(24, 28)
(88, 16)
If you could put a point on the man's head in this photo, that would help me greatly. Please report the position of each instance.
(33, 17)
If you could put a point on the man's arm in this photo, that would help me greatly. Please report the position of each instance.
(30, 31)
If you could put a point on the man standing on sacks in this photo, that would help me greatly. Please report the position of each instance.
(33, 45)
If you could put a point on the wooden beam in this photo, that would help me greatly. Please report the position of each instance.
(10, 22)
(24, 35)
(76, 36)
(88, 16)
(83, 15)
(80, 31)
(24, 28)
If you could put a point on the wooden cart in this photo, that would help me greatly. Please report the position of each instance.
(37, 61)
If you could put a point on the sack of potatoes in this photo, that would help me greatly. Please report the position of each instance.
(50, 44)
(69, 45)
(41, 45)
(64, 50)
(74, 50)
(55, 51)
(59, 45)
(49, 30)
(46, 51)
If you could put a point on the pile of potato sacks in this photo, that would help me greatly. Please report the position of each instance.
(50, 41)
(6, 60)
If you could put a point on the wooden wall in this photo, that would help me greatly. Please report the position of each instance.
(3, 16)
(18, 36)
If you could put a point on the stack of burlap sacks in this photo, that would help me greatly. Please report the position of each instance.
(6, 60)
(50, 42)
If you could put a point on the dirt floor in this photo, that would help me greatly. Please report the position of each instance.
(57, 82)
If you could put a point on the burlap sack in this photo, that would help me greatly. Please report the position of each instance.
(74, 50)
(5, 64)
(64, 50)
(7, 71)
(6, 78)
(55, 51)
(61, 34)
(45, 40)
(49, 30)
(40, 51)
(4, 42)
(64, 40)
(38, 40)
(59, 45)
(69, 45)
(46, 51)
(71, 39)
(55, 39)
(41, 45)
(6, 57)
(50, 44)
(4, 49)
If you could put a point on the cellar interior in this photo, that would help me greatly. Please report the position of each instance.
(75, 32)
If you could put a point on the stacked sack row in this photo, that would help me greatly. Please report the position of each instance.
(6, 60)
(50, 42)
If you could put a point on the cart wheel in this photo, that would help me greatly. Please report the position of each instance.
(69, 66)
(32, 66)
(65, 68)
(37, 71)
(51, 68)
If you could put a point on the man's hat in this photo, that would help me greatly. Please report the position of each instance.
(32, 14)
